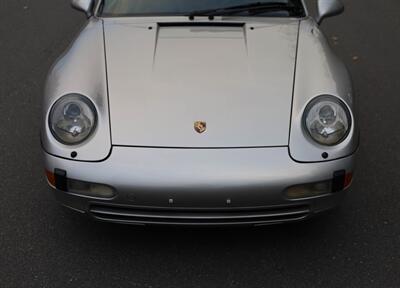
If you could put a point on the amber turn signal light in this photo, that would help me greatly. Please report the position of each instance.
(51, 178)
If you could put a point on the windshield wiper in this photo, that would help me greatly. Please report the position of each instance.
(252, 8)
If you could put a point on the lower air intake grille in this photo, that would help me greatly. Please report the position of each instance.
(186, 216)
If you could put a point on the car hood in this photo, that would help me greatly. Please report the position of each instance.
(235, 77)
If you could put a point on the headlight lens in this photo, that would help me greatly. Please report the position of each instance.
(327, 120)
(72, 119)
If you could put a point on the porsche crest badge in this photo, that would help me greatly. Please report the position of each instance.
(200, 126)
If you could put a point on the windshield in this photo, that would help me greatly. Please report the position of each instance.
(122, 8)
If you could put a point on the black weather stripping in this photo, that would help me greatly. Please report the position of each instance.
(61, 179)
(200, 24)
(338, 180)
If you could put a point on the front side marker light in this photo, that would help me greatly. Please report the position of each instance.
(51, 179)
(348, 180)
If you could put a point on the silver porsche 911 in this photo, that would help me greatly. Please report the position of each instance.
(187, 112)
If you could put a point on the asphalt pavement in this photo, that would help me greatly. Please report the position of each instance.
(43, 245)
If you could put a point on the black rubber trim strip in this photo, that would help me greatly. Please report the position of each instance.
(72, 159)
(338, 180)
(201, 24)
(106, 73)
(294, 82)
(61, 179)
(200, 148)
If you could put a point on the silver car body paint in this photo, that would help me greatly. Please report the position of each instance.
(250, 83)
(198, 177)
(319, 72)
(81, 70)
(199, 180)
(162, 80)
(83, 5)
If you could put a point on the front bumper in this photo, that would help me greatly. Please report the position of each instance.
(199, 186)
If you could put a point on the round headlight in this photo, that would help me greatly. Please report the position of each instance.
(72, 119)
(327, 120)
